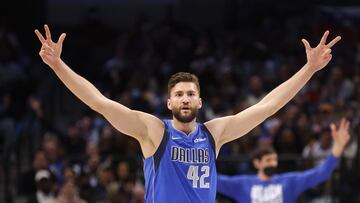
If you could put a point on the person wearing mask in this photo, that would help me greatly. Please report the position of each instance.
(267, 186)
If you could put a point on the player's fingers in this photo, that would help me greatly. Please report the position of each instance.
(327, 52)
(61, 38)
(44, 53)
(306, 44)
(39, 35)
(48, 33)
(324, 37)
(334, 41)
(47, 48)
(328, 57)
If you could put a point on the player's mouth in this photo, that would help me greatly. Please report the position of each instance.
(185, 109)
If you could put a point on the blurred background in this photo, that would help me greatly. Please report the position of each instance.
(128, 49)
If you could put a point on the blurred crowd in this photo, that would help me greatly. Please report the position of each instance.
(84, 159)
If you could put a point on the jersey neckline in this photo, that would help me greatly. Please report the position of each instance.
(189, 136)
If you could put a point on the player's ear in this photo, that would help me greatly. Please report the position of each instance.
(256, 163)
(200, 103)
(168, 103)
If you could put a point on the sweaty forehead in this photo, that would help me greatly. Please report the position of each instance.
(184, 87)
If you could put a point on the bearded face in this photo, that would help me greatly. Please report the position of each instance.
(185, 114)
(184, 102)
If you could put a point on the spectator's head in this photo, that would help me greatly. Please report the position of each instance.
(106, 144)
(69, 174)
(69, 191)
(265, 160)
(287, 138)
(302, 121)
(336, 74)
(43, 180)
(123, 170)
(290, 113)
(93, 163)
(325, 139)
(256, 85)
(40, 161)
(116, 194)
(326, 109)
(105, 173)
(73, 132)
(86, 122)
(184, 96)
(106, 132)
(138, 193)
(51, 148)
(92, 149)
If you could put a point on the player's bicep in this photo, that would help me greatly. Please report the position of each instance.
(232, 127)
(124, 119)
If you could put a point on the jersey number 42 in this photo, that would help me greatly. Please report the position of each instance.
(193, 174)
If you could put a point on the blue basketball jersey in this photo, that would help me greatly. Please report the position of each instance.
(183, 168)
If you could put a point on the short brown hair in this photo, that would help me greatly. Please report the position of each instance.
(183, 77)
(262, 151)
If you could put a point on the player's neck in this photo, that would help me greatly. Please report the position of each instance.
(187, 128)
(262, 176)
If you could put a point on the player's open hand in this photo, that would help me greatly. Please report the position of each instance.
(319, 56)
(341, 134)
(50, 51)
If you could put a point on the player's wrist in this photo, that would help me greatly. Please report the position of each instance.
(337, 150)
(56, 64)
(310, 67)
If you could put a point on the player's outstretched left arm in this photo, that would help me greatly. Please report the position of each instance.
(228, 128)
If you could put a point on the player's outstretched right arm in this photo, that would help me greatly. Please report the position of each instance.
(134, 123)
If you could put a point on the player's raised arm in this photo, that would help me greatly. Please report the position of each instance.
(134, 123)
(229, 128)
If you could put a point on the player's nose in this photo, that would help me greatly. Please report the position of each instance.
(185, 102)
(186, 99)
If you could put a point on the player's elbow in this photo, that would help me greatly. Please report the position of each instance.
(270, 109)
(98, 105)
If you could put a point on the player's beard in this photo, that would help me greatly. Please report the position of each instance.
(185, 118)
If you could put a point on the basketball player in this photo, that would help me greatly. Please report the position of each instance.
(179, 154)
(267, 187)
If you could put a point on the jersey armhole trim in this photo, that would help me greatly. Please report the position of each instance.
(161, 149)
(211, 138)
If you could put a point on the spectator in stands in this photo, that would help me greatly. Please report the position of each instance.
(46, 188)
(27, 183)
(69, 193)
